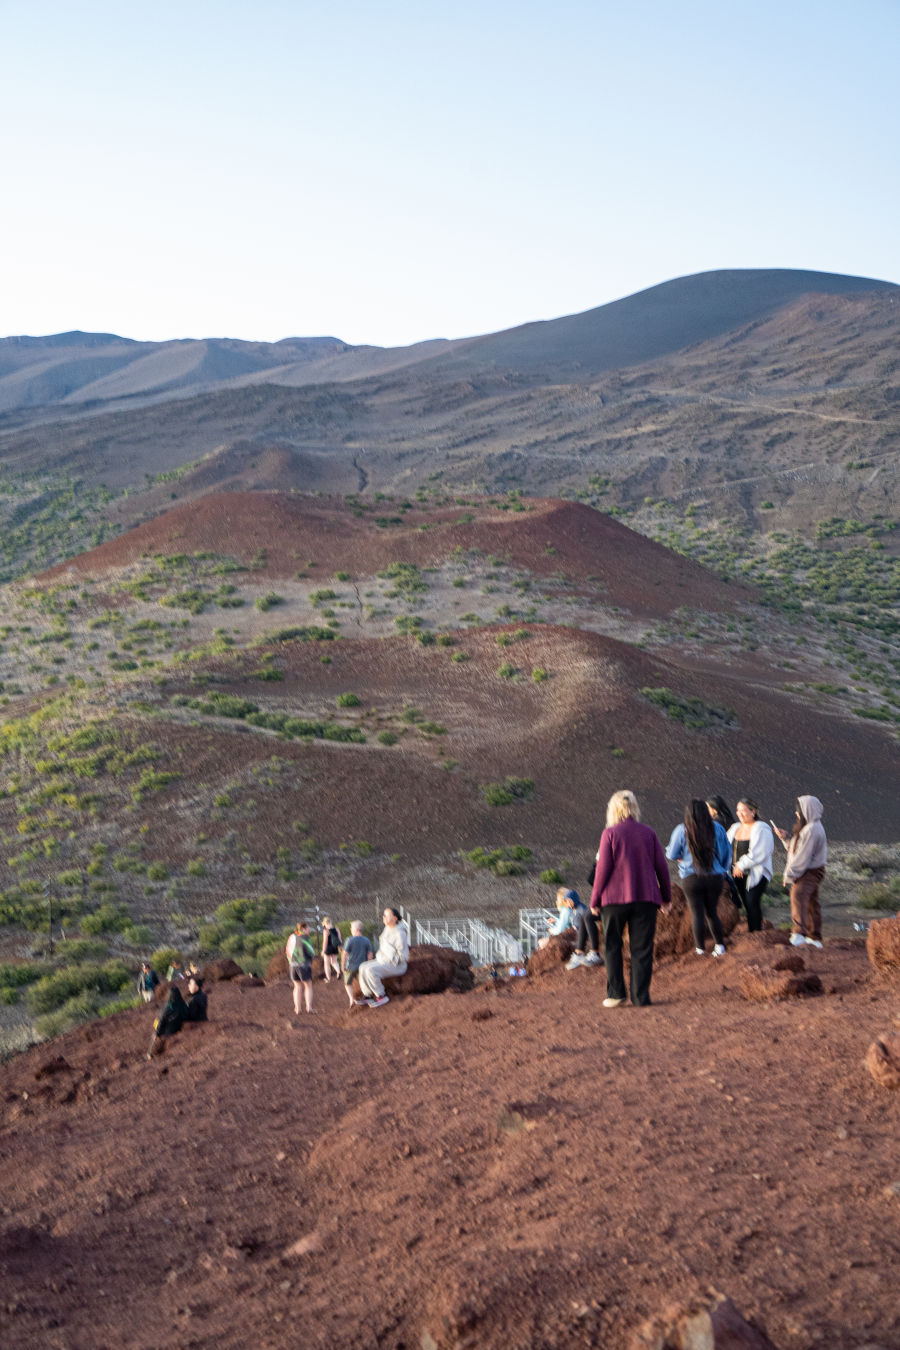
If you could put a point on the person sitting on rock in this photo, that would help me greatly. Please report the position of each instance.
(569, 905)
(357, 949)
(169, 1022)
(196, 1005)
(390, 960)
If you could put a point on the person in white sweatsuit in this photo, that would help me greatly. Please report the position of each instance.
(391, 958)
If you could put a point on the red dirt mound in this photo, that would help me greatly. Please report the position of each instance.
(553, 536)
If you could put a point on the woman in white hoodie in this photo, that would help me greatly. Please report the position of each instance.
(807, 850)
(752, 845)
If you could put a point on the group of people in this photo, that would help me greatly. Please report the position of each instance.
(630, 882)
(354, 958)
(177, 1010)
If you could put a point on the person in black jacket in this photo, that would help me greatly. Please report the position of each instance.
(196, 1006)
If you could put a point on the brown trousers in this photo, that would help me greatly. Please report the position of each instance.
(806, 912)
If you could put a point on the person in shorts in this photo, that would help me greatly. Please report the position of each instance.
(356, 950)
(300, 952)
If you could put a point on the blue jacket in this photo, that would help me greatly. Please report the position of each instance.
(678, 851)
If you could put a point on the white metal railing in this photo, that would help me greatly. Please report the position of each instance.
(533, 925)
(487, 946)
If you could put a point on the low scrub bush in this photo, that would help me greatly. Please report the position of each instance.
(692, 712)
(507, 792)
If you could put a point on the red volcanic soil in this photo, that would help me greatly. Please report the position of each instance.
(516, 1166)
(554, 536)
(560, 733)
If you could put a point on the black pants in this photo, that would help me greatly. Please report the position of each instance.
(588, 934)
(640, 920)
(702, 894)
(752, 898)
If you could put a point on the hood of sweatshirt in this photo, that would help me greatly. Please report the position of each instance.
(812, 809)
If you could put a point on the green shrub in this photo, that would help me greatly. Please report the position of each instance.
(511, 790)
(157, 871)
(348, 700)
(387, 738)
(162, 958)
(881, 895)
(196, 867)
(539, 674)
(506, 670)
(52, 991)
(551, 877)
(268, 601)
(692, 712)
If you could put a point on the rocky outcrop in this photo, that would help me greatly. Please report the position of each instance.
(716, 1327)
(674, 935)
(221, 969)
(781, 980)
(883, 1061)
(883, 945)
(431, 970)
(549, 959)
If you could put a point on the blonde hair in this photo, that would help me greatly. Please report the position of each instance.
(326, 922)
(622, 805)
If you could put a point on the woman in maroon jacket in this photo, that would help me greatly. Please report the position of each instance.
(631, 885)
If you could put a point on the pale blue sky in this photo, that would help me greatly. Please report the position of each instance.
(398, 171)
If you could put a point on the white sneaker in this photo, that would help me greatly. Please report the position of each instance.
(592, 959)
(798, 940)
(613, 1002)
(718, 950)
(814, 942)
(699, 951)
(574, 961)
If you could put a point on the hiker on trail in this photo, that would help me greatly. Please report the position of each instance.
(196, 1005)
(807, 850)
(752, 845)
(331, 949)
(147, 982)
(300, 952)
(700, 847)
(631, 885)
(587, 934)
(390, 959)
(568, 906)
(175, 971)
(357, 949)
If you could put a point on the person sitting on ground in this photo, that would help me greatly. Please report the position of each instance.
(568, 904)
(752, 845)
(300, 952)
(357, 949)
(196, 1005)
(148, 980)
(169, 1022)
(807, 851)
(390, 960)
(331, 948)
(587, 934)
(700, 847)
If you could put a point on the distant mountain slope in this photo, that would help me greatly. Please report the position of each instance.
(76, 368)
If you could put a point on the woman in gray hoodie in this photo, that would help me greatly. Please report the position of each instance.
(807, 850)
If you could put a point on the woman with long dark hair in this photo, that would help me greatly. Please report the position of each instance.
(752, 845)
(700, 847)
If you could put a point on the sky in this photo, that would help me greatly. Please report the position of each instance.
(396, 171)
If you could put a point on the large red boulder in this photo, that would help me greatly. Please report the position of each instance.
(883, 945)
(550, 958)
(431, 970)
(674, 934)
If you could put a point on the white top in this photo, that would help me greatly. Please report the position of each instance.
(756, 863)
